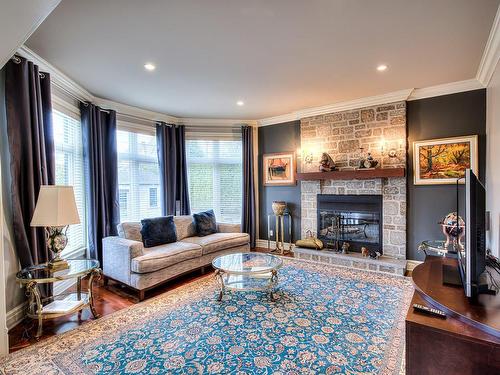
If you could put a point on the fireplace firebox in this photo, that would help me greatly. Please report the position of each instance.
(356, 219)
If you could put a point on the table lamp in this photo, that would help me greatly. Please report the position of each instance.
(55, 210)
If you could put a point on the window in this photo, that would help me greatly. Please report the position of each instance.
(153, 197)
(215, 177)
(69, 171)
(138, 176)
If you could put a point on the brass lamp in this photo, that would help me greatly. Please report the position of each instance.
(55, 210)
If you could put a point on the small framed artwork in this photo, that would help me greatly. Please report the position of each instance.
(279, 169)
(443, 161)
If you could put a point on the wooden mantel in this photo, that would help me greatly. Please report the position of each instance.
(359, 174)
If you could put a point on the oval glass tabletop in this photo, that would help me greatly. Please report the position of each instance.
(439, 246)
(42, 273)
(247, 263)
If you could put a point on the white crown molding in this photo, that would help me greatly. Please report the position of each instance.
(369, 101)
(57, 77)
(491, 53)
(215, 122)
(446, 89)
(135, 112)
(278, 119)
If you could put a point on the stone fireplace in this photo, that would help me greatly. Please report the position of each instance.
(347, 136)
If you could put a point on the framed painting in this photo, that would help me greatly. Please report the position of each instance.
(443, 161)
(279, 169)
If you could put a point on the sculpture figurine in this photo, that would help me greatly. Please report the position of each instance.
(326, 163)
(367, 163)
(345, 248)
(364, 251)
(375, 254)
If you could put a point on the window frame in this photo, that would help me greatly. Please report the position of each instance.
(133, 158)
(64, 108)
(216, 163)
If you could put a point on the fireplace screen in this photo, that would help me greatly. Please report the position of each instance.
(356, 219)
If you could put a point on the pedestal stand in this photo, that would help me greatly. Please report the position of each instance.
(280, 229)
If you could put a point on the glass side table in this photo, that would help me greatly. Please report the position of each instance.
(32, 277)
(437, 247)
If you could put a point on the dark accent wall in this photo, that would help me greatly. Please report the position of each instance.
(278, 138)
(440, 117)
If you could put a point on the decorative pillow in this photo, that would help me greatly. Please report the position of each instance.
(205, 223)
(130, 231)
(158, 231)
(184, 227)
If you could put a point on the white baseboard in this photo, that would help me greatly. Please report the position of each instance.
(16, 315)
(411, 264)
(272, 244)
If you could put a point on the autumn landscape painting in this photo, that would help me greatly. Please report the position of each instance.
(443, 161)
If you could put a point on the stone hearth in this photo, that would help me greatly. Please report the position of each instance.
(353, 260)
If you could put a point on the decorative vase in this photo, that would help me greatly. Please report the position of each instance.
(279, 207)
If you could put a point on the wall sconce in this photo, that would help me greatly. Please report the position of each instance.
(393, 151)
(306, 155)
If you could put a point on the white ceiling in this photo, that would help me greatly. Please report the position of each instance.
(18, 19)
(277, 55)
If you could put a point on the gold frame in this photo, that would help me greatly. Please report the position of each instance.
(474, 153)
(293, 168)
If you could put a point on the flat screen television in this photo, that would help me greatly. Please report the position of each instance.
(472, 254)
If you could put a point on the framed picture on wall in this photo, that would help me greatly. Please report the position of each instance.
(443, 161)
(279, 169)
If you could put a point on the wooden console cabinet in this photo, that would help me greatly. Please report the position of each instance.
(466, 342)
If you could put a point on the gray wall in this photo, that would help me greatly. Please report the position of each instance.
(278, 138)
(440, 117)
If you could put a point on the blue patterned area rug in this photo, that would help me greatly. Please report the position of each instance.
(327, 320)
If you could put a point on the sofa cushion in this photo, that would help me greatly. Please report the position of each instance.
(184, 226)
(158, 231)
(218, 241)
(159, 257)
(205, 223)
(130, 231)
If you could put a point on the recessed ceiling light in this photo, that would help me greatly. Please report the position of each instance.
(149, 66)
(382, 68)
(240, 103)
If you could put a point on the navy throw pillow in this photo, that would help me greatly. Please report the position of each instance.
(158, 231)
(205, 223)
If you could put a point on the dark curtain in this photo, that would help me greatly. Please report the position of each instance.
(171, 146)
(101, 175)
(31, 148)
(248, 212)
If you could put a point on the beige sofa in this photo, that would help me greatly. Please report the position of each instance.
(126, 260)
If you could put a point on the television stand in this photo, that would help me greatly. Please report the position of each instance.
(467, 342)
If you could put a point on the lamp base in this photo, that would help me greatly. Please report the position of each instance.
(58, 264)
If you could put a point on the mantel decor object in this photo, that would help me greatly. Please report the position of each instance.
(326, 163)
(55, 210)
(367, 163)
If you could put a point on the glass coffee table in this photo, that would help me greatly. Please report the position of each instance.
(247, 272)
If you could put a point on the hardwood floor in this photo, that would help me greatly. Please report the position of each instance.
(107, 300)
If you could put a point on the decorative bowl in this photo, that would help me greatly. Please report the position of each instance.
(279, 207)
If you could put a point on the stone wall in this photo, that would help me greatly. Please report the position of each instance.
(377, 129)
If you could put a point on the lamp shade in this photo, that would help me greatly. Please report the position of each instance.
(55, 207)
